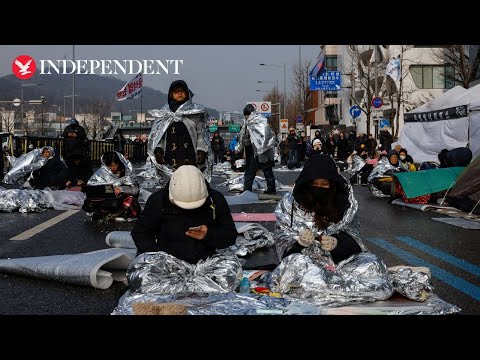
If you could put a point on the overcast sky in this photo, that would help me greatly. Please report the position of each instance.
(223, 77)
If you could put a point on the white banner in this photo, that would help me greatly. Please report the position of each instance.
(393, 70)
(132, 89)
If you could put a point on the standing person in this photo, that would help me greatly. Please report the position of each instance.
(119, 142)
(331, 145)
(75, 141)
(342, 147)
(78, 172)
(186, 219)
(386, 139)
(317, 147)
(180, 131)
(371, 146)
(323, 209)
(257, 140)
(292, 141)
(217, 145)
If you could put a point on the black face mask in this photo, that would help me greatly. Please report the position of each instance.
(321, 195)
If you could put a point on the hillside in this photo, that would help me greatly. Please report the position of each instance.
(87, 87)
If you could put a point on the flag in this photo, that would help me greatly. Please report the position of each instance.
(319, 68)
(132, 89)
(393, 70)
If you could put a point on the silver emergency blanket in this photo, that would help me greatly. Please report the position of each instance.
(311, 277)
(23, 200)
(253, 236)
(286, 235)
(382, 167)
(97, 268)
(162, 273)
(259, 183)
(189, 113)
(230, 303)
(64, 199)
(261, 137)
(375, 191)
(225, 166)
(357, 164)
(104, 176)
(414, 283)
(25, 164)
(433, 306)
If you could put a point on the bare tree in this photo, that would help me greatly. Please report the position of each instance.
(300, 96)
(95, 112)
(7, 119)
(365, 76)
(464, 65)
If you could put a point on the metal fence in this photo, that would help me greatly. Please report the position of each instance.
(133, 151)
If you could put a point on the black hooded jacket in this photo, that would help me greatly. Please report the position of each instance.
(324, 167)
(162, 226)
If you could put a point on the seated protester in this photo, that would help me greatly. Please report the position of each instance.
(383, 179)
(78, 172)
(51, 174)
(404, 162)
(321, 208)
(115, 170)
(366, 169)
(458, 157)
(186, 219)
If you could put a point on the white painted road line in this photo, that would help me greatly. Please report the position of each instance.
(35, 230)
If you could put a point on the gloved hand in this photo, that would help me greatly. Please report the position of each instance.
(306, 237)
(328, 243)
(201, 157)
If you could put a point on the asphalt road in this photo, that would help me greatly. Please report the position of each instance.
(398, 235)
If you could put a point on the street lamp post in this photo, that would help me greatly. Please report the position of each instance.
(284, 84)
(21, 104)
(65, 96)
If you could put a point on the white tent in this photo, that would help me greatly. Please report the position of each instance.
(449, 121)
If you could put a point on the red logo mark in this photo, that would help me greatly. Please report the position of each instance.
(24, 67)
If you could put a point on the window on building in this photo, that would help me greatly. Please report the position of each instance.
(331, 63)
(432, 76)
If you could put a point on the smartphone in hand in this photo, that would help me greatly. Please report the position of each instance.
(195, 228)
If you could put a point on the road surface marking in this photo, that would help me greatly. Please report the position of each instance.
(35, 230)
(452, 260)
(439, 273)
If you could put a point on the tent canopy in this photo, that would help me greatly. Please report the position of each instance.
(449, 121)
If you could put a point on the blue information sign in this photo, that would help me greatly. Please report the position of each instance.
(355, 111)
(384, 123)
(329, 81)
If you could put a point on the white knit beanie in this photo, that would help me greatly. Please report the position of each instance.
(187, 188)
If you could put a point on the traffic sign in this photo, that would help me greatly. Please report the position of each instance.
(284, 126)
(299, 119)
(355, 111)
(234, 128)
(213, 128)
(16, 102)
(384, 123)
(377, 102)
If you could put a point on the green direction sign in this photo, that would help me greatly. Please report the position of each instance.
(213, 128)
(234, 128)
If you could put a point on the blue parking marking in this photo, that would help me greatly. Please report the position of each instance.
(439, 273)
(452, 260)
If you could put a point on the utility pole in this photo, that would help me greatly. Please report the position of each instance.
(73, 85)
